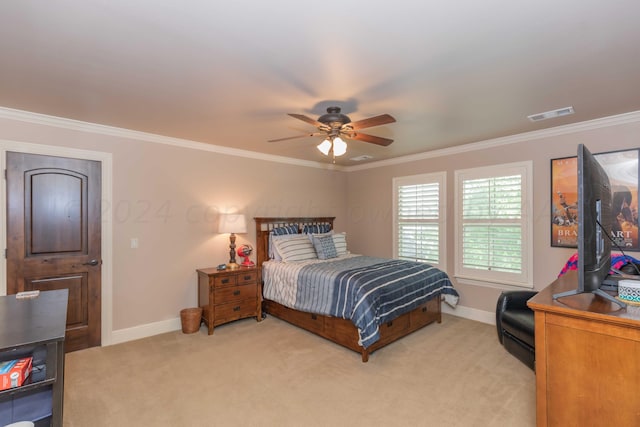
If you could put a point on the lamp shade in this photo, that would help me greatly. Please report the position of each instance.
(339, 146)
(324, 147)
(232, 223)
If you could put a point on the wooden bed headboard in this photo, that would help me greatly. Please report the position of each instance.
(265, 225)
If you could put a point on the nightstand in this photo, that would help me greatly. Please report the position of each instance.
(227, 295)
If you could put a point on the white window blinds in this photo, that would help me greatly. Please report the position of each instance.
(493, 224)
(419, 211)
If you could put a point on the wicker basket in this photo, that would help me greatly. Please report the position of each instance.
(191, 319)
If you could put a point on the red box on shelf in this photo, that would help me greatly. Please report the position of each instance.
(14, 372)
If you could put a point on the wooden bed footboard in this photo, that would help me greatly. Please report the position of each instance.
(340, 331)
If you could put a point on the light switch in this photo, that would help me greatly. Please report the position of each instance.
(134, 243)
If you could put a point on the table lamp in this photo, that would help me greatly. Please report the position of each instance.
(232, 223)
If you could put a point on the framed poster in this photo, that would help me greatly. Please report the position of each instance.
(622, 168)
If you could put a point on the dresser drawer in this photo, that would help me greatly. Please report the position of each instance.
(247, 277)
(234, 310)
(235, 293)
(230, 280)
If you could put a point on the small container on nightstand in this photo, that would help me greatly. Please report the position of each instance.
(227, 295)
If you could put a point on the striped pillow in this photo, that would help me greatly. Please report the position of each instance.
(340, 242)
(295, 249)
(285, 230)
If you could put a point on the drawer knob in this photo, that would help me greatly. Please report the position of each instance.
(236, 292)
(390, 324)
(314, 317)
(237, 308)
(225, 280)
(424, 309)
(247, 277)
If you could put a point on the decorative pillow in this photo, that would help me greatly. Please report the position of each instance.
(325, 247)
(340, 242)
(316, 228)
(295, 249)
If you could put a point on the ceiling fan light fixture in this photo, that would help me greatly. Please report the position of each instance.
(335, 125)
(339, 146)
(325, 147)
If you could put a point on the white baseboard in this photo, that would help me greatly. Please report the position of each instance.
(144, 331)
(170, 325)
(470, 313)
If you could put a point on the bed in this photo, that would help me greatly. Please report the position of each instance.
(362, 303)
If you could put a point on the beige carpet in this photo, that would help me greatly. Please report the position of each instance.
(274, 374)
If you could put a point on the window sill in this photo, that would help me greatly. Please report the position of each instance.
(496, 285)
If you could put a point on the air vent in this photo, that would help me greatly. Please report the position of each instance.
(361, 158)
(551, 114)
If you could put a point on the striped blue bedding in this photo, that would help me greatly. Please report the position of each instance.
(366, 290)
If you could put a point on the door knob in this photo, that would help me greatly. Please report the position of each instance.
(93, 262)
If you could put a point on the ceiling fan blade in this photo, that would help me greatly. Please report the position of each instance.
(372, 121)
(294, 137)
(307, 119)
(370, 138)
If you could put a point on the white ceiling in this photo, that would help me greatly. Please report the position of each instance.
(227, 72)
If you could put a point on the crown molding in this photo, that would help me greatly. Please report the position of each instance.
(620, 119)
(77, 125)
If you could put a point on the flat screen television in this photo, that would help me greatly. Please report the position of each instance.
(594, 227)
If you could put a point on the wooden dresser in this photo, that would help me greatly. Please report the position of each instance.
(587, 359)
(228, 295)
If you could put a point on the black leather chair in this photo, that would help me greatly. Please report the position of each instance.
(514, 321)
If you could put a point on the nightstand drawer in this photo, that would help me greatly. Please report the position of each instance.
(234, 310)
(235, 293)
(247, 277)
(230, 280)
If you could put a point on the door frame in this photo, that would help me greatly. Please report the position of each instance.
(106, 159)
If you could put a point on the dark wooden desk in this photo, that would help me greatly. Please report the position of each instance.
(587, 359)
(36, 325)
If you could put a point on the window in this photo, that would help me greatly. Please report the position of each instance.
(419, 213)
(493, 224)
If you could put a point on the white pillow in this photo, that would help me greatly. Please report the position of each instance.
(273, 250)
(298, 248)
(340, 242)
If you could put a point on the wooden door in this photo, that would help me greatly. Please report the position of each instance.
(53, 236)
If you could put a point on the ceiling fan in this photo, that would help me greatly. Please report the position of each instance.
(337, 127)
